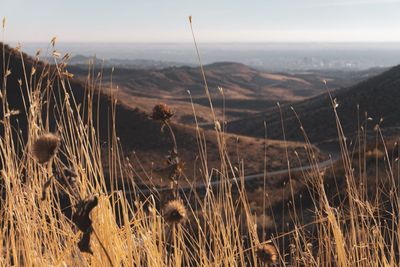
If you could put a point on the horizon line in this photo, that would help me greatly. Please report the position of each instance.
(205, 42)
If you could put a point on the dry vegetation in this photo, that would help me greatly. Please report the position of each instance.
(60, 208)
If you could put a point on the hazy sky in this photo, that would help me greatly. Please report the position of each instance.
(214, 20)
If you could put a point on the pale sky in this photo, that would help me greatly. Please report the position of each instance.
(214, 20)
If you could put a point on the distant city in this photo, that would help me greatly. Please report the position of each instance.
(264, 56)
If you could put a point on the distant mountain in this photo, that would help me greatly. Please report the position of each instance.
(377, 97)
(271, 57)
(83, 61)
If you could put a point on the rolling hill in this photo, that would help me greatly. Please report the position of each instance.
(238, 80)
(376, 98)
(246, 91)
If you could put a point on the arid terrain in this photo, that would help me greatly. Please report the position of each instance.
(247, 99)
(142, 139)
(252, 167)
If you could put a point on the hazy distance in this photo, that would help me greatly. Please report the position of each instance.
(266, 56)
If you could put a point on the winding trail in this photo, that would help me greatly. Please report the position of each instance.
(247, 178)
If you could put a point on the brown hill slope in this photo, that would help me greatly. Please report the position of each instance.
(136, 130)
(246, 90)
(377, 97)
(238, 80)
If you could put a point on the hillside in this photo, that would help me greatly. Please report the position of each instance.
(238, 80)
(376, 97)
(137, 132)
(246, 90)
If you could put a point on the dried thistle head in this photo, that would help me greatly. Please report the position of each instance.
(175, 212)
(172, 171)
(69, 172)
(161, 112)
(81, 216)
(66, 178)
(45, 147)
(82, 220)
(84, 243)
(175, 166)
(176, 170)
(267, 254)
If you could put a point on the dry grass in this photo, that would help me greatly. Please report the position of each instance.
(222, 229)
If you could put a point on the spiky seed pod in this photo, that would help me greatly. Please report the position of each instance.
(82, 220)
(175, 212)
(176, 170)
(162, 112)
(69, 172)
(67, 178)
(45, 147)
(81, 216)
(267, 254)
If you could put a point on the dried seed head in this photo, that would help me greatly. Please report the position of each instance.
(45, 147)
(267, 254)
(70, 173)
(176, 170)
(81, 216)
(67, 178)
(172, 171)
(175, 166)
(175, 212)
(82, 220)
(84, 243)
(162, 112)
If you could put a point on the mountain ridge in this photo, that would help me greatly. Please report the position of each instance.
(375, 97)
